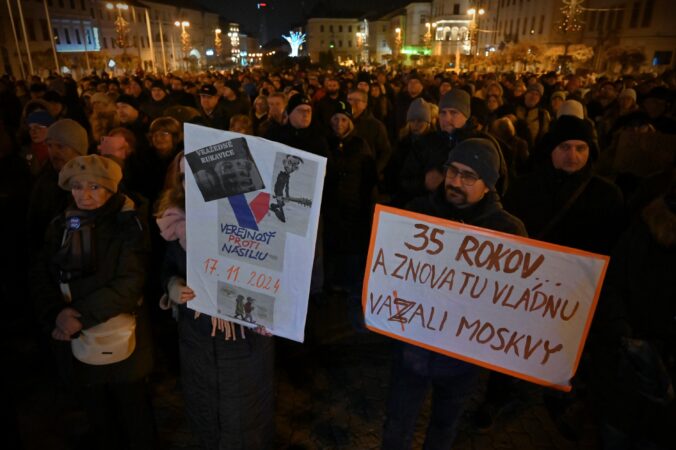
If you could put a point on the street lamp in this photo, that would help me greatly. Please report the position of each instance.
(217, 41)
(473, 28)
(121, 25)
(185, 39)
(233, 34)
(397, 40)
(427, 39)
(185, 36)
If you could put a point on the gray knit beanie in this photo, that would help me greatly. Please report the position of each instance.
(481, 155)
(69, 133)
(536, 87)
(456, 99)
(419, 110)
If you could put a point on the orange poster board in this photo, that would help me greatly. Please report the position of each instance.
(507, 303)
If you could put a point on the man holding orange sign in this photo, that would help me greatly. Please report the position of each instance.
(467, 195)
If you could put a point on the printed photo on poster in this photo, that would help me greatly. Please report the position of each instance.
(225, 169)
(245, 305)
(246, 234)
(293, 180)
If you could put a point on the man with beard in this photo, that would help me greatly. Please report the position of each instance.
(466, 195)
(329, 104)
(66, 140)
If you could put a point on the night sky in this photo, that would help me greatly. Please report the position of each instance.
(283, 14)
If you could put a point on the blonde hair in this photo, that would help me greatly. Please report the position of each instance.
(245, 121)
(174, 192)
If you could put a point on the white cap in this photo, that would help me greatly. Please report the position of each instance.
(571, 108)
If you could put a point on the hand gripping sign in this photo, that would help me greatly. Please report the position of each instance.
(252, 210)
(507, 303)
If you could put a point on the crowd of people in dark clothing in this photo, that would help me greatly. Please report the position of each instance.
(92, 192)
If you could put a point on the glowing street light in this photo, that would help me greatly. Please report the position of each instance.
(185, 36)
(427, 38)
(473, 26)
(233, 34)
(121, 25)
(397, 39)
(218, 44)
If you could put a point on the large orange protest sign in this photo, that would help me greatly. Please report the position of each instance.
(507, 303)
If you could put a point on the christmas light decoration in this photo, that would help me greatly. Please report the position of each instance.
(218, 43)
(571, 12)
(295, 40)
(121, 25)
(185, 36)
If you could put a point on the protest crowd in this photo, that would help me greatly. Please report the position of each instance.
(92, 193)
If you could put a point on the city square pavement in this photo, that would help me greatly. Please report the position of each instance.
(331, 394)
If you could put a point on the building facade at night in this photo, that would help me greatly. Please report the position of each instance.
(160, 35)
(450, 29)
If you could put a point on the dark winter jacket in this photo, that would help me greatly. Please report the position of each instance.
(325, 108)
(592, 223)
(638, 301)
(487, 213)
(428, 154)
(308, 139)
(374, 133)
(239, 105)
(154, 109)
(346, 204)
(46, 202)
(113, 286)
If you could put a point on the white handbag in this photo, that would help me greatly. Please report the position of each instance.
(109, 342)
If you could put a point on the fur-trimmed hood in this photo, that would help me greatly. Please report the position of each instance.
(661, 222)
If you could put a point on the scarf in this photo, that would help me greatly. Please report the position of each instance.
(77, 256)
(172, 225)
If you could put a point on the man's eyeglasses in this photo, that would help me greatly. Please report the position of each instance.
(466, 178)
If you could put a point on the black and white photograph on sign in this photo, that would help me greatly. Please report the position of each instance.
(225, 169)
(245, 305)
(293, 181)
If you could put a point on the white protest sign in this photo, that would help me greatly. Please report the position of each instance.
(504, 302)
(252, 209)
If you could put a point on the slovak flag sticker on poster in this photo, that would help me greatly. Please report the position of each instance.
(252, 210)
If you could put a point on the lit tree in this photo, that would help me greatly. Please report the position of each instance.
(570, 23)
(571, 10)
(295, 40)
